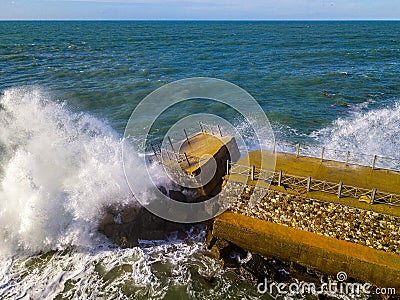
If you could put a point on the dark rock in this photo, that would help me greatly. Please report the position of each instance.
(256, 266)
(162, 190)
(202, 198)
(182, 235)
(210, 240)
(325, 297)
(107, 219)
(220, 249)
(177, 195)
(139, 223)
(304, 274)
(130, 214)
(245, 274)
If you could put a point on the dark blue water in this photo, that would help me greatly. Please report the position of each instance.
(294, 69)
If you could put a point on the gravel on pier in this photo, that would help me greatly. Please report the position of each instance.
(335, 220)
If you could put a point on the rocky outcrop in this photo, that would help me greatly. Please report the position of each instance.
(257, 268)
(126, 225)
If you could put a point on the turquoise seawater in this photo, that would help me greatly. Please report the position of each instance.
(293, 69)
(68, 89)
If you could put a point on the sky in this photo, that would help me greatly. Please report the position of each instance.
(199, 10)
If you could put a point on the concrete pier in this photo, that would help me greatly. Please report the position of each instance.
(206, 155)
(324, 215)
(305, 218)
(325, 254)
(193, 158)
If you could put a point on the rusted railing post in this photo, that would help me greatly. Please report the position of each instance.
(187, 159)
(373, 193)
(339, 193)
(173, 149)
(219, 129)
(308, 183)
(187, 138)
(322, 153)
(170, 143)
(154, 150)
(280, 178)
(297, 149)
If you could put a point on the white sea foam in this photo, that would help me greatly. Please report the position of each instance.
(58, 169)
(136, 273)
(373, 132)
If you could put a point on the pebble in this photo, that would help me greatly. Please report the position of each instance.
(359, 226)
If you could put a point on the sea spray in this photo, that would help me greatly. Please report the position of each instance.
(374, 132)
(59, 169)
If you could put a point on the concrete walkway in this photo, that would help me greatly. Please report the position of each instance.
(331, 171)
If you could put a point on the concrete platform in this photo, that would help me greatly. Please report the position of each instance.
(205, 161)
(202, 146)
(355, 175)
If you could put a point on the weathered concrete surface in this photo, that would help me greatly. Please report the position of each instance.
(311, 250)
(206, 151)
(202, 144)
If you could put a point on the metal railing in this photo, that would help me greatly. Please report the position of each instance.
(324, 153)
(171, 154)
(307, 184)
(212, 129)
(348, 157)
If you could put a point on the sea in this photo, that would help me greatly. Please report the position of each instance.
(68, 88)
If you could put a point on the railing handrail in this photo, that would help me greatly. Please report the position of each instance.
(178, 157)
(277, 177)
(363, 159)
(373, 158)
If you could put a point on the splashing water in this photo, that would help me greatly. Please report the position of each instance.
(373, 132)
(58, 169)
(155, 272)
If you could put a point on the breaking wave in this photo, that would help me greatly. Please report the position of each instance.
(58, 169)
(375, 132)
